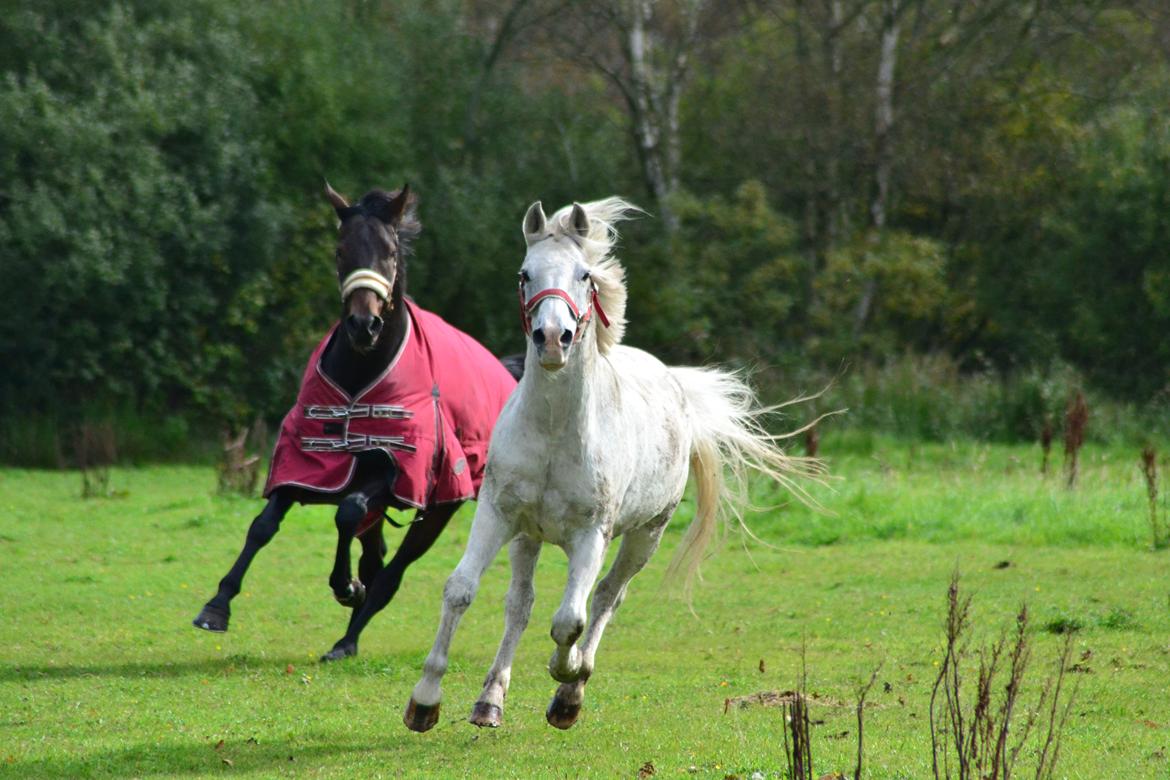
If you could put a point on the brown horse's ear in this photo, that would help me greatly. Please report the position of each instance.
(392, 212)
(579, 221)
(337, 199)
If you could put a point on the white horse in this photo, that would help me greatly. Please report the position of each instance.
(594, 443)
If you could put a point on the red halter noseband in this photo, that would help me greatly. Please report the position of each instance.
(528, 306)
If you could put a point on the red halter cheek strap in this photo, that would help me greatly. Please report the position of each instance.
(528, 306)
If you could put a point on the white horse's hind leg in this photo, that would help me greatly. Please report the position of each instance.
(586, 554)
(637, 547)
(489, 710)
(488, 535)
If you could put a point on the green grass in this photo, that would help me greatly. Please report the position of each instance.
(102, 675)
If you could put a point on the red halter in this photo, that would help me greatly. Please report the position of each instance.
(527, 307)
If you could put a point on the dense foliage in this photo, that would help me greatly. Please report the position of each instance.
(165, 249)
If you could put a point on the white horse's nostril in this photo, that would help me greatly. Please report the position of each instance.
(538, 337)
(566, 337)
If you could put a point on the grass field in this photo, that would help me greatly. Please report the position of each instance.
(102, 675)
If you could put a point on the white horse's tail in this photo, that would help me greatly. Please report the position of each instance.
(729, 440)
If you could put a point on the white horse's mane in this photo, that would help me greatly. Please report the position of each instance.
(607, 273)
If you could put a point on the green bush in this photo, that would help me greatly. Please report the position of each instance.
(929, 398)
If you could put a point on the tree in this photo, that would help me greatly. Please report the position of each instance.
(645, 48)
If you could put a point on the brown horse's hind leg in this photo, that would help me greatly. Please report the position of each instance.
(419, 538)
(373, 553)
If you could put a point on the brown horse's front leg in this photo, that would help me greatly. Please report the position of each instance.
(348, 591)
(215, 614)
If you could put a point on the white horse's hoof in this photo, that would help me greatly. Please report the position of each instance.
(486, 715)
(420, 717)
(562, 714)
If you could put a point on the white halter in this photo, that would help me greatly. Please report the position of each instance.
(367, 279)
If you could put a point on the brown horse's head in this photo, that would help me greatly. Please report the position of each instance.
(374, 240)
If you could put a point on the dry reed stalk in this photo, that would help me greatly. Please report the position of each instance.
(861, 694)
(949, 681)
(1150, 472)
(1076, 418)
(797, 724)
(798, 753)
(812, 442)
(1046, 444)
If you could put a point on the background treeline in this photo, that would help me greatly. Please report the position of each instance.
(959, 207)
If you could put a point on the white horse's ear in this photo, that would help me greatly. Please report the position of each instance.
(337, 199)
(580, 221)
(535, 224)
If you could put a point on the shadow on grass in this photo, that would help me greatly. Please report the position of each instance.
(305, 754)
(228, 666)
(142, 669)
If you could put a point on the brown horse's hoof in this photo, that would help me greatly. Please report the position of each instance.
(340, 650)
(486, 715)
(354, 595)
(562, 714)
(420, 717)
(212, 619)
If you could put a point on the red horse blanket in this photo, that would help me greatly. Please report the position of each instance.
(432, 411)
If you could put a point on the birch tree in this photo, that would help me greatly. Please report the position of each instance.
(883, 126)
(645, 48)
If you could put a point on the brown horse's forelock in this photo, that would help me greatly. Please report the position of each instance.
(375, 203)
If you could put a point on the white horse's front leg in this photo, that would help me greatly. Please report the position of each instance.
(489, 709)
(586, 553)
(488, 535)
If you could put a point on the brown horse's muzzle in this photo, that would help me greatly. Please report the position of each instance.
(363, 331)
(363, 321)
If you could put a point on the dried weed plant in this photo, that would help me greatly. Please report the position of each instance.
(1076, 419)
(980, 735)
(237, 471)
(1159, 538)
(94, 451)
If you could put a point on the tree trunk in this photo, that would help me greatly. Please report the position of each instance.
(647, 132)
(655, 112)
(813, 237)
(834, 100)
(884, 115)
(883, 150)
(508, 29)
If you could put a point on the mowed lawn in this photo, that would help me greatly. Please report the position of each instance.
(101, 673)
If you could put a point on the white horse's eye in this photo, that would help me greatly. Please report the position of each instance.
(585, 276)
(524, 277)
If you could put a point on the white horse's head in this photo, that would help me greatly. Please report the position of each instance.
(571, 288)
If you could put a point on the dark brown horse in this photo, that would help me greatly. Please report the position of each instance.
(365, 347)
